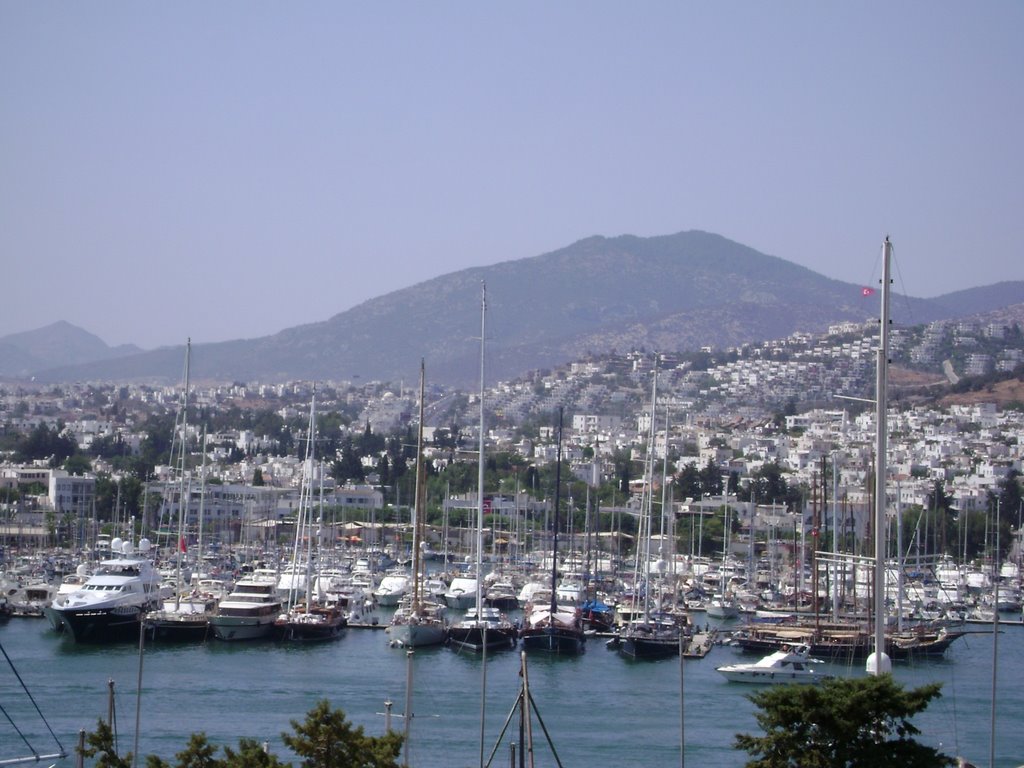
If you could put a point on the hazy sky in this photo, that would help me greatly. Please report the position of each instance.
(227, 169)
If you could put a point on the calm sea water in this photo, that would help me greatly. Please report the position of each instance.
(599, 708)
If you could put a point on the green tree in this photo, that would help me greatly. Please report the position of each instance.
(100, 744)
(77, 464)
(328, 740)
(199, 753)
(257, 477)
(688, 482)
(843, 723)
(711, 479)
(348, 466)
(46, 443)
(250, 754)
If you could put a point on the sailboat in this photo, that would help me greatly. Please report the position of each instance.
(723, 604)
(483, 626)
(186, 615)
(309, 618)
(554, 628)
(418, 621)
(842, 639)
(650, 636)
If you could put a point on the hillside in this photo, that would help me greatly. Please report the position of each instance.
(672, 292)
(58, 344)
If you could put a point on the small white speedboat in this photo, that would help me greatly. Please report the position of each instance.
(790, 664)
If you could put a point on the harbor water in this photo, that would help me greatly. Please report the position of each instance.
(599, 708)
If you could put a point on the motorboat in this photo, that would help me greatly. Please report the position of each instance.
(250, 610)
(31, 599)
(790, 664)
(461, 593)
(392, 588)
(111, 604)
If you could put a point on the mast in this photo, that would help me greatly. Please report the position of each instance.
(554, 544)
(480, 464)
(183, 490)
(649, 490)
(878, 663)
(417, 509)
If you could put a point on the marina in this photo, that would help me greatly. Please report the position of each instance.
(594, 704)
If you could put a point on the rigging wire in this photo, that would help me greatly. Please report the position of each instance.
(34, 704)
(903, 287)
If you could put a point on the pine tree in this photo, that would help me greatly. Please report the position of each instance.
(843, 723)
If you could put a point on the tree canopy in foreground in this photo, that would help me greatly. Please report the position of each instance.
(326, 739)
(841, 723)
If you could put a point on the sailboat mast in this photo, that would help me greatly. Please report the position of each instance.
(554, 543)
(182, 495)
(879, 663)
(310, 530)
(480, 464)
(418, 499)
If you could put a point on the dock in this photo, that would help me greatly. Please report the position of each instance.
(700, 645)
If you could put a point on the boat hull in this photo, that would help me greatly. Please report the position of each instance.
(241, 628)
(179, 628)
(54, 617)
(636, 647)
(311, 627)
(472, 638)
(767, 677)
(103, 625)
(553, 640)
(418, 635)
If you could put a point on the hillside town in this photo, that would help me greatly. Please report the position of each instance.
(798, 404)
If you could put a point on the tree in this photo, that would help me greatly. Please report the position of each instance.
(688, 482)
(711, 479)
(257, 477)
(77, 464)
(852, 723)
(100, 744)
(328, 740)
(199, 753)
(46, 443)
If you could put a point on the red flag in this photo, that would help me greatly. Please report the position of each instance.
(182, 546)
(867, 291)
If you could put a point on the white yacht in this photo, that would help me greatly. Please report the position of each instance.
(250, 610)
(111, 604)
(790, 664)
(461, 593)
(392, 588)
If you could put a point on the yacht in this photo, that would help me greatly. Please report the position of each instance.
(392, 588)
(461, 593)
(789, 664)
(111, 604)
(250, 610)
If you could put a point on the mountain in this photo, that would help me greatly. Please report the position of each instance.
(671, 292)
(58, 344)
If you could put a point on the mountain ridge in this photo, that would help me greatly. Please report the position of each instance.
(668, 292)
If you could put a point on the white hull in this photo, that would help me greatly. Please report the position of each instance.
(418, 635)
(242, 627)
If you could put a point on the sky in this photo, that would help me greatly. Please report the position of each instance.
(227, 170)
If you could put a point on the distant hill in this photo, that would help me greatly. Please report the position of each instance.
(58, 344)
(672, 292)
